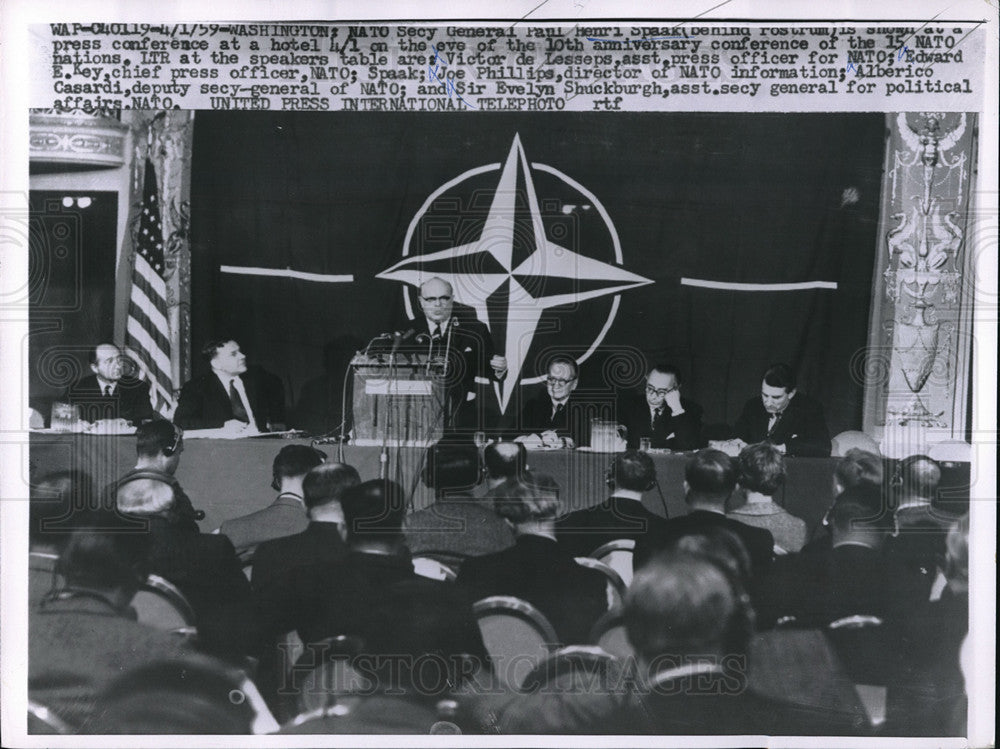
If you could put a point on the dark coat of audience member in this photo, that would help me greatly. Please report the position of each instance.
(926, 692)
(204, 567)
(709, 478)
(918, 529)
(851, 577)
(536, 569)
(288, 571)
(354, 595)
(621, 516)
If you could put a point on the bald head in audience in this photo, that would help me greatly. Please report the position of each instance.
(918, 478)
(504, 460)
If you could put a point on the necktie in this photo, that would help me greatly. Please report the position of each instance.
(239, 412)
(557, 414)
(107, 391)
(657, 412)
(773, 422)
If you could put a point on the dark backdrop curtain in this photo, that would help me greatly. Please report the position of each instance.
(725, 197)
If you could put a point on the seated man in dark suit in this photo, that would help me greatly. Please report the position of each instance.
(791, 421)
(849, 578)
(666, 418)
(458, 525)
(918, 528)
(552, 417)
(203, 566)
(351, 596)
(536, 568)
(287, 515)
(622, 515)
(231, 396)
(108, 393)
(709, 480)
(320, 545)
(84, 634)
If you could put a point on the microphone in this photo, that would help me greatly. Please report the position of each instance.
(379, 337)
(398, 338)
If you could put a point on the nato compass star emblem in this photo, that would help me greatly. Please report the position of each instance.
(524, 265)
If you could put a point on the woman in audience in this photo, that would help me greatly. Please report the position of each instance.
(761, 475)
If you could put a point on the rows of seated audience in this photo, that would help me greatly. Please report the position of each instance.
(334, 610)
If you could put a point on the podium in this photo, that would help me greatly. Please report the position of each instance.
(398, 401)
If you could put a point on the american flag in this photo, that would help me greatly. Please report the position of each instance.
(148, 332)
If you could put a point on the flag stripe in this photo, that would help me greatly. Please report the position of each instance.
(159, 363)
(154, 333)
(147, 279)
(156, 313)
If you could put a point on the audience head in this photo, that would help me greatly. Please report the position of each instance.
(327, 483)
(373, 511)
(710, 477)
(535, 499)
(562, 378)
(58, 503)
(106, 362)
(451, 466)
(761, 468)
(437, 300)
(190, 695)
(956, 558)
(661, 379)
(225, 357)
(294, 461)
(113, 558)
(505, 460)
(856, 467)
(145, 497)
(720, 545)
(633, 471)
(917, 478)
(777, 388)
(852, 520)
(686, 604)
(159, 444)
(845, 442)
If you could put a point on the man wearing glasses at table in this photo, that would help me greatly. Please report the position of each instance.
(663, 416)
(547, 418)
(467, 346)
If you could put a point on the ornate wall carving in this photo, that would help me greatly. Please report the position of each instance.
(921, 326)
